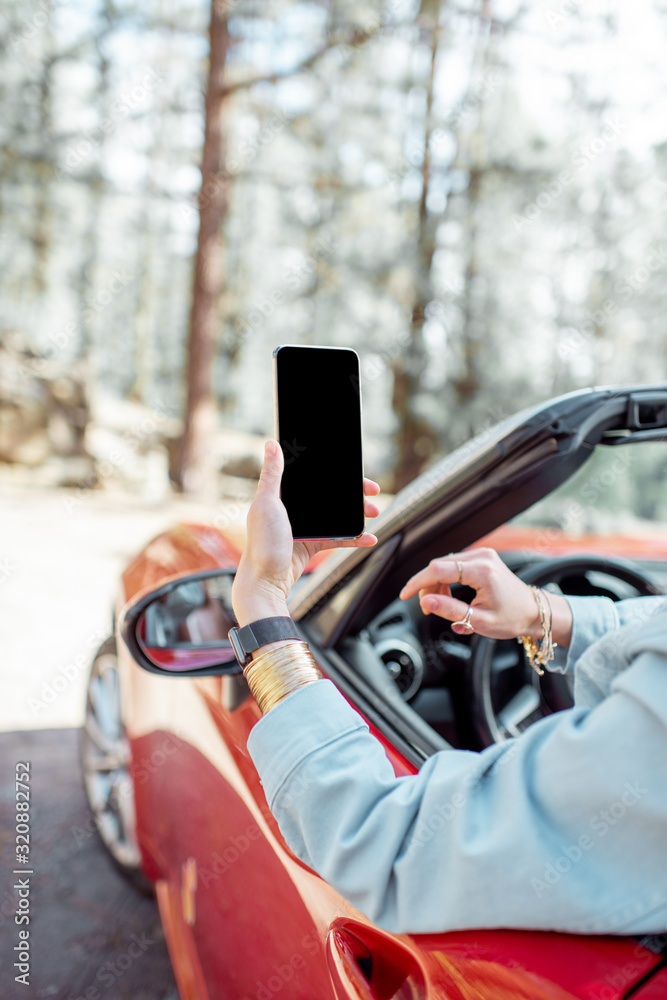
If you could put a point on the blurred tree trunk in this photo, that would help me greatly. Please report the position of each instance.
(91, 243)
(415, 438)
(42, 232)
(153, 231)
(475, 342)
(194, 471)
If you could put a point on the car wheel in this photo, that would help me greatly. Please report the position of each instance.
(106, 766)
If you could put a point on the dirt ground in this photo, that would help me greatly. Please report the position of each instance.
(61, 553)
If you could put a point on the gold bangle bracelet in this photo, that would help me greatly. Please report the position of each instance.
(540, 653)
(279, 672)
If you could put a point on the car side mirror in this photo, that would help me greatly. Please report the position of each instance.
(182, 627)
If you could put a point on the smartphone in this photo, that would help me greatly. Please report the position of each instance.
(317, 412)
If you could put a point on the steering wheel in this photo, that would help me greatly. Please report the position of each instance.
(507, 694)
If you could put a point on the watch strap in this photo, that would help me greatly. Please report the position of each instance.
(250, 637)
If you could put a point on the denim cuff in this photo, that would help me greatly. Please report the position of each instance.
(305, 721)
(592, 617)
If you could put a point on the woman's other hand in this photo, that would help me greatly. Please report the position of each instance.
(503, 607)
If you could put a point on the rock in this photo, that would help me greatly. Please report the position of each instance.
(239, 453)
(134, 421)
(29, 449)
(72, 471)
(62, 434)
(243, 466)
(43, 405)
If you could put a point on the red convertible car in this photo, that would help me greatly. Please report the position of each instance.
(179, 804)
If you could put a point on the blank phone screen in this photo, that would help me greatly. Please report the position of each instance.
(319, 429)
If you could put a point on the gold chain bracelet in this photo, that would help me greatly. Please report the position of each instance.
(279, 672)
(540, 653)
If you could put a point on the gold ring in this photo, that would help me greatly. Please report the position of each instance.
(460, 567)
(464, 627)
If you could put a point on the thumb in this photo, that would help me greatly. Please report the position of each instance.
(272, 469)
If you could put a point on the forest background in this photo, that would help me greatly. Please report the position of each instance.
(470, 193)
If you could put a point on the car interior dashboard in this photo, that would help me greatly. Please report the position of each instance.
(467, 690)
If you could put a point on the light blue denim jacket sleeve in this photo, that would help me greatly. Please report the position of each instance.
(563, 828)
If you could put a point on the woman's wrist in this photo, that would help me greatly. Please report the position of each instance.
(253, 599)
(251, 611)
(561, 620)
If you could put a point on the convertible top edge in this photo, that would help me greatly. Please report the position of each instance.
(583, 416)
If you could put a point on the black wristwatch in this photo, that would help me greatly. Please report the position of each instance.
(249, 638)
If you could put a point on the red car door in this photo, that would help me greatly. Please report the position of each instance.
(234, 897)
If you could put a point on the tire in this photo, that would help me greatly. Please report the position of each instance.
(106, 767)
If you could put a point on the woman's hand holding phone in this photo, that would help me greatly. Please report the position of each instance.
(273, 561)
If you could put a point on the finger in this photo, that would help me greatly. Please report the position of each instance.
(446, 570)
(437, 572)
(443, 606)
(364, 540)
(272, 468)
(455, 611)
(438, 588)
(371, 509)
(371, 488)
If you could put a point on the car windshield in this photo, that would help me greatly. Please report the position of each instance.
(615, 505)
